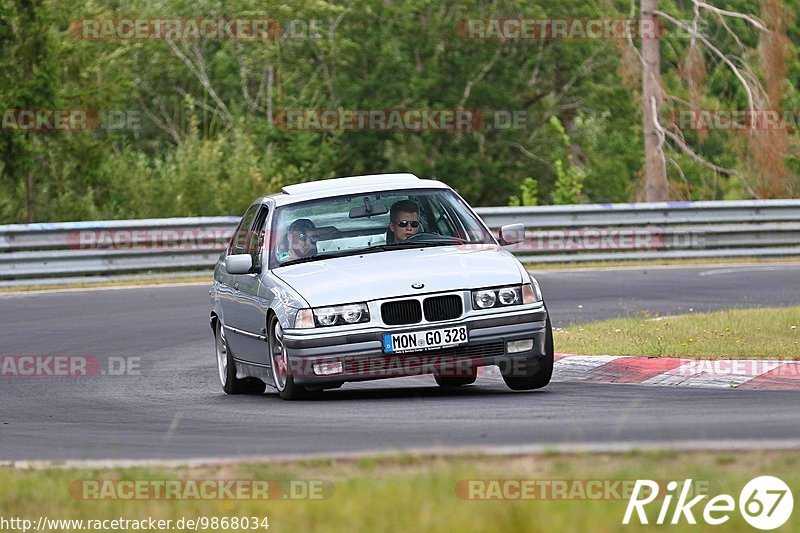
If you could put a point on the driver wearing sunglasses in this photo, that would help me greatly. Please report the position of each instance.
(404, 220)
(301, 239)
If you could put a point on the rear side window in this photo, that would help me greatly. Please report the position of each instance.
(240, 236)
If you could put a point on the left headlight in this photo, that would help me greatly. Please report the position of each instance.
(333, 315)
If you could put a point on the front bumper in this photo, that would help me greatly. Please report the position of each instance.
(362, 357)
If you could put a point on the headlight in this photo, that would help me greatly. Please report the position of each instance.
(508, 295)
(338, 315)
(500, 297)
(326, 316)
(352, 314)
(484, 299)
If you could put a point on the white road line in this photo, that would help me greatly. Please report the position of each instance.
(435, 451)
(730, 266)
(753, 268)
(576, 367)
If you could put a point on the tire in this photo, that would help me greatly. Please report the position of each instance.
(281, 370)
(448, 382)
(538, 370)
(226, 367)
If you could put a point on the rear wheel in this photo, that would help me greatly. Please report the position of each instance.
(537, 371)
(226, 367)
(281, 369)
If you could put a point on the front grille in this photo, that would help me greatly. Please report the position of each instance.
(442, 308)
(411, 363)
(402, 312)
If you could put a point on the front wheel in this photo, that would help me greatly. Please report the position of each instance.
(226, 367)
(279, 361)
(537, 371)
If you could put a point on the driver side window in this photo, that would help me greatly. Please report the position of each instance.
(239, 241)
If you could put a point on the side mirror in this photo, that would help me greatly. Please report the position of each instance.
(239, 264)
(512, 234)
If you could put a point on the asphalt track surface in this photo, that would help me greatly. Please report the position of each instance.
(175, 408)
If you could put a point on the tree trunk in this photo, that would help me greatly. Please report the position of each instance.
(31, 197)
(655, 172)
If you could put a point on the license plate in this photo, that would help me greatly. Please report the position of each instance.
(419, 341)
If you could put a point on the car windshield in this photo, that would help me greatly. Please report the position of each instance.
(374, 222)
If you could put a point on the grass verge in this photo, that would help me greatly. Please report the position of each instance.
(414, 493)
(740, 333)
(132, 282)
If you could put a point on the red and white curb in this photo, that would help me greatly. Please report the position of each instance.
(677, 372)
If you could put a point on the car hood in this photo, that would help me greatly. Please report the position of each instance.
(375, 276)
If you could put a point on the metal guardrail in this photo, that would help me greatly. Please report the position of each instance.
(31, 251)
(598, 232)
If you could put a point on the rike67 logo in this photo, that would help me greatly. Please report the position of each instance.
(765, 502)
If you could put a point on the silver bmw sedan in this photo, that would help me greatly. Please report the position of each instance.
(371, 277)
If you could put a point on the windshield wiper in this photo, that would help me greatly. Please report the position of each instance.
(435, 241)
(331, 255)
(421, 243)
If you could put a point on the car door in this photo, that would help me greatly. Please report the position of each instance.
(228, 285)
(249, 310)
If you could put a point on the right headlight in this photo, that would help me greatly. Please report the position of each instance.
(499, 297)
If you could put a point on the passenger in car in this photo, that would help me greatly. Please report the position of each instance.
(403, 221)
(301, 240)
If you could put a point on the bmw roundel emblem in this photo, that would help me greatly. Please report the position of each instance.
(417, 285)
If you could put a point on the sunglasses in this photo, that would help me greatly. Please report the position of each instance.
(404, 223)
(305, 237)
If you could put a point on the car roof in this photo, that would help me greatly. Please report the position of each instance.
(352, 185)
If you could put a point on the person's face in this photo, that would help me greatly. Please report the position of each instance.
(302, 243)
(403, 227)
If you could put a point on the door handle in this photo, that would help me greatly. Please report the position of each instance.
(236, 285)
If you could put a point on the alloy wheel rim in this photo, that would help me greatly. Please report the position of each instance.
(222, 356)
(279, 365)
